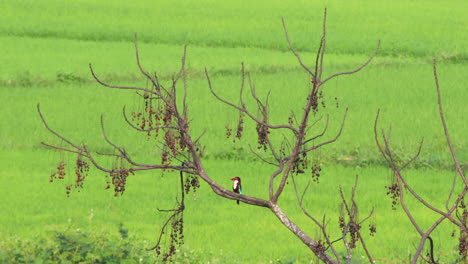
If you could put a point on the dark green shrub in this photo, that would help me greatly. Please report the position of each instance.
(75, 246)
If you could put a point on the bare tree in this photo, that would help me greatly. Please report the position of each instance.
(166, 118)
(455, 209)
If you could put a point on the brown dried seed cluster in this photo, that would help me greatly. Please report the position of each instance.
(159, 118)
(240, 126)
(176, 237)
(463, 239)
(165, 158)
(341, 222)
(290, 120)
(239, 129)
(228, 131)
(353, 232)
(68, 189)
(60, 173)
(316, 170)
(119, 180)
(372, 229)
(320, 247)
(171, 143)
(81, 171)
(316, 101)
(262, 132)
(394, 192)
(118, 176)
(191, 182)
(151, 117)
(352, 228)
(300, 164)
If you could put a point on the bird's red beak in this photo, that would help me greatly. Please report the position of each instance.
(233, 179)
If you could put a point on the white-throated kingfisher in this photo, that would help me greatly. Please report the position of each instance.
(237, 186)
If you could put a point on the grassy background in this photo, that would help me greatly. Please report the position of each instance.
(46, 48)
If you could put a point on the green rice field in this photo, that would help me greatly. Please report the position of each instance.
(46, 48)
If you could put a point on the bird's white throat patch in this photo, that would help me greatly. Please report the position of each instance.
(235, 184)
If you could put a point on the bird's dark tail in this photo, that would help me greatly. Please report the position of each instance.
(237, 202)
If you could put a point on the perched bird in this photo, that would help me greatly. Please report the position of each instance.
(236, 186)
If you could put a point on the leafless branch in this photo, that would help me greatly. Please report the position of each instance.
(53, 132)
(117, 86)
(176, 220)
(401, 182)
(321, 226)
(357, 69)
(354, 224)
(60, 148)
(154, 81)
(321, 52)
(272, 179)
(291, 47)
(452, 189)
(444, 125)
(241, 109)
(331, 140)
(414, 157)
(262, 158)
(319, 135)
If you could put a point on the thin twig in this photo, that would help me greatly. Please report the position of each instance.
(444, 125)
(331, 140)
(262, 158)
(319, 135)
(357, 69)
(291, 47)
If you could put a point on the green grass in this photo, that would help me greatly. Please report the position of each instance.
(47, 45)
(395, 89)
(210, 220)
(407, 28)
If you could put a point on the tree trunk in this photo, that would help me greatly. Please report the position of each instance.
(309, 242)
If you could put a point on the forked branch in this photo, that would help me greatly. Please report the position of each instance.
(450, 212)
